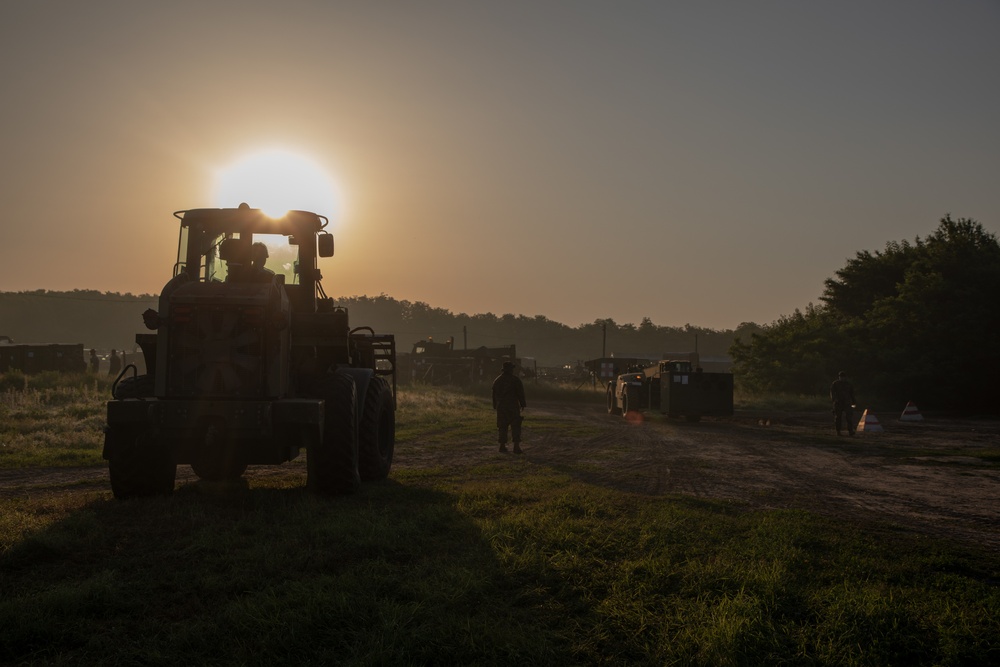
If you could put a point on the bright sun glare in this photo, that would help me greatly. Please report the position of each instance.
(277, 181)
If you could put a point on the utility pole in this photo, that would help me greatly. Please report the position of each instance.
(604, 351)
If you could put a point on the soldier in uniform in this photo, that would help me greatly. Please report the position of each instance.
(508, 401)
(842, 395)
(114, 364)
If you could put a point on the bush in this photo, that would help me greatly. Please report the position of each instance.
(13, 380)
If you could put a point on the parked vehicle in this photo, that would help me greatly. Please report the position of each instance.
(674, 388)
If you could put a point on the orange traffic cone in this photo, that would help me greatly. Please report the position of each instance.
(869, 422)
(911, 413)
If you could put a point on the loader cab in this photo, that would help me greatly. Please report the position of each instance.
(682, 366)
(214, 245)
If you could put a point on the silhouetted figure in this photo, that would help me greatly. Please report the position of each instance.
(508, 401)
(114, 364)
(95, 361)
(258, 257)
(842, 395)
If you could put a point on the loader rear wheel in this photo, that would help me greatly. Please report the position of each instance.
(332, 462)
(613, 408)
(138, 466)
(377, 431)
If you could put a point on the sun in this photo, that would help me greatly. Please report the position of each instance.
(277, 181)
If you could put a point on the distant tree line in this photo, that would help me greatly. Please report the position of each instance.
(917, 321)
(111, 320)
(550, 343)
(103, 320)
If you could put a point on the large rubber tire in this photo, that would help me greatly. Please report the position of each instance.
(625, 402)
(332, 463)
(138, 467)
(219, 459)
(377, 431)
(613, 408)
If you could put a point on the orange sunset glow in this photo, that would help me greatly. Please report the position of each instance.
(730, 154)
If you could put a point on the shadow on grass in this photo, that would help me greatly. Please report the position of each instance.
(263, 576)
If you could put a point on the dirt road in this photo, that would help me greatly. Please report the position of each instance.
(938, 477)
(927, 476)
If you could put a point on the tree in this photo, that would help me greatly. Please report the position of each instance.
(913, 322)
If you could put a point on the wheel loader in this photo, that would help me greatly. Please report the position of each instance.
(248, 362)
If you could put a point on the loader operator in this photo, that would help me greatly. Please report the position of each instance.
(258, 257)
(842, 395)
(508, 401)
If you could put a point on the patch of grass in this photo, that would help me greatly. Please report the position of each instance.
(545, 391)
(987, 454)
(55, 425)
(957, 454)
(425, 411)
(543, 424)
(525, 567)
(743, 400)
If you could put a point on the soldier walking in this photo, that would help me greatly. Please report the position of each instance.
(508, 401)
(842, 395)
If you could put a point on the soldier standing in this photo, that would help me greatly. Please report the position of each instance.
(115, 363)
(95, 361)
(842, 395)
(508, 401)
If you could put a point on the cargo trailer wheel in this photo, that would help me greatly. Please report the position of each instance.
(377, 431)
(612, 403)
(332, 462)
(138, 466)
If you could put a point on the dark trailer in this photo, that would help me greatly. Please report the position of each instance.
(675, 388)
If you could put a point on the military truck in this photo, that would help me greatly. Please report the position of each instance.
(673, 387)
(249, 363)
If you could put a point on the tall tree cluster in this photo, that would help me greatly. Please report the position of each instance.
(917, 321)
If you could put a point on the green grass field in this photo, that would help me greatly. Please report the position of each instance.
(517, 564)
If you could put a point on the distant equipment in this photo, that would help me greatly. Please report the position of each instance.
(436, 363)
(33, 359)
(675, 388)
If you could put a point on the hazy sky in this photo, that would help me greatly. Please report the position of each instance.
(693, 162)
